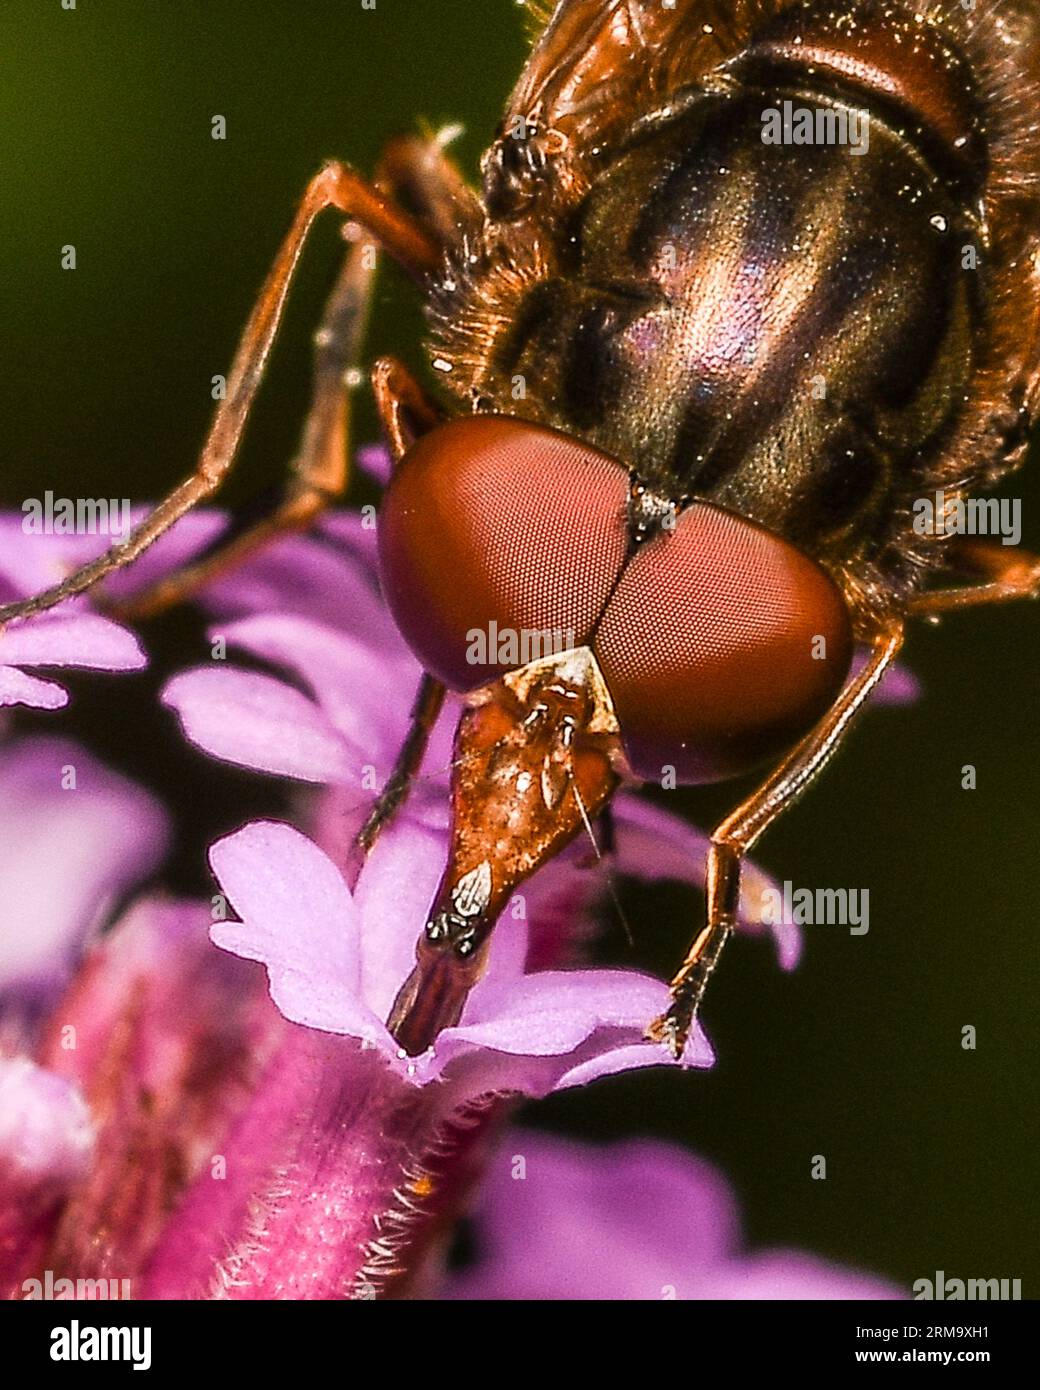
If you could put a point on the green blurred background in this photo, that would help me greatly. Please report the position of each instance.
(104, 391)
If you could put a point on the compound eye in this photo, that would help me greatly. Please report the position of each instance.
(499, 542)
(721, 646)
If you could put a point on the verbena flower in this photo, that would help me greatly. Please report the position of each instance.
(202, 1102)
(636, 1220)
(337, 959)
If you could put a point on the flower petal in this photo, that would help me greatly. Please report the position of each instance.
(555, 1011)
(45, 1127)
(898, 687)
(365, 695)
(393, 895)
(586, 1023)
(634, 1221)
(299, 919)
(74, 639)
(375, 460)
(46, 1143)
(633, 1057)
(18, 688)
(74, 836)
(653, 845)
(254, 720)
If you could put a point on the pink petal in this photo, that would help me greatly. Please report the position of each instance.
(393, 896)
(45, 1126)
(17, 688)
(375, 460)
(182, 543)
(75, 639)
(365, 694)
(318, 580)
(631, 1221)
(898, 685)
(299, 919)
(46, 1143)
(67, 853)
(783, 1274)
(354, 534)
(254, 720)
(554, 1012)
(633, 1057)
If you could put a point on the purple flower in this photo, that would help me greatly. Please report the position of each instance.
(337, 959)
(74, 836)
(46, 1145)
(348, 1158)
(167, 1061)
(71, 635)
(344, 727)
(140, 1070)
(636, 1220)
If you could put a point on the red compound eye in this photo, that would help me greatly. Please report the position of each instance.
(711, 647)
(492, 521)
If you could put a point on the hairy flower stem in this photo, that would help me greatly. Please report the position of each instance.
(333, 1184)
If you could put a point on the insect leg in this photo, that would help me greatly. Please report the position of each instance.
(1001, 573)
(425, 180)
(416, 173)
(406, 412)
(320, 469)
(739, 832)
(429, 701)
(334, 186)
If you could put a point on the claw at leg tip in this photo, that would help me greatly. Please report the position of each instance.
(670, 1032)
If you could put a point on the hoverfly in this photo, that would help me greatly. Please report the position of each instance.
(692, 381)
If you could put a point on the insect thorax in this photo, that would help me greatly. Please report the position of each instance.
(778, 327)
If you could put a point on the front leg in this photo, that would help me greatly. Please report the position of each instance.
(425, 191)
(739, 832)
(405, 412)
(335, 186)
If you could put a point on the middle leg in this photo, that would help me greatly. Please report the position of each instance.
(993, 574)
